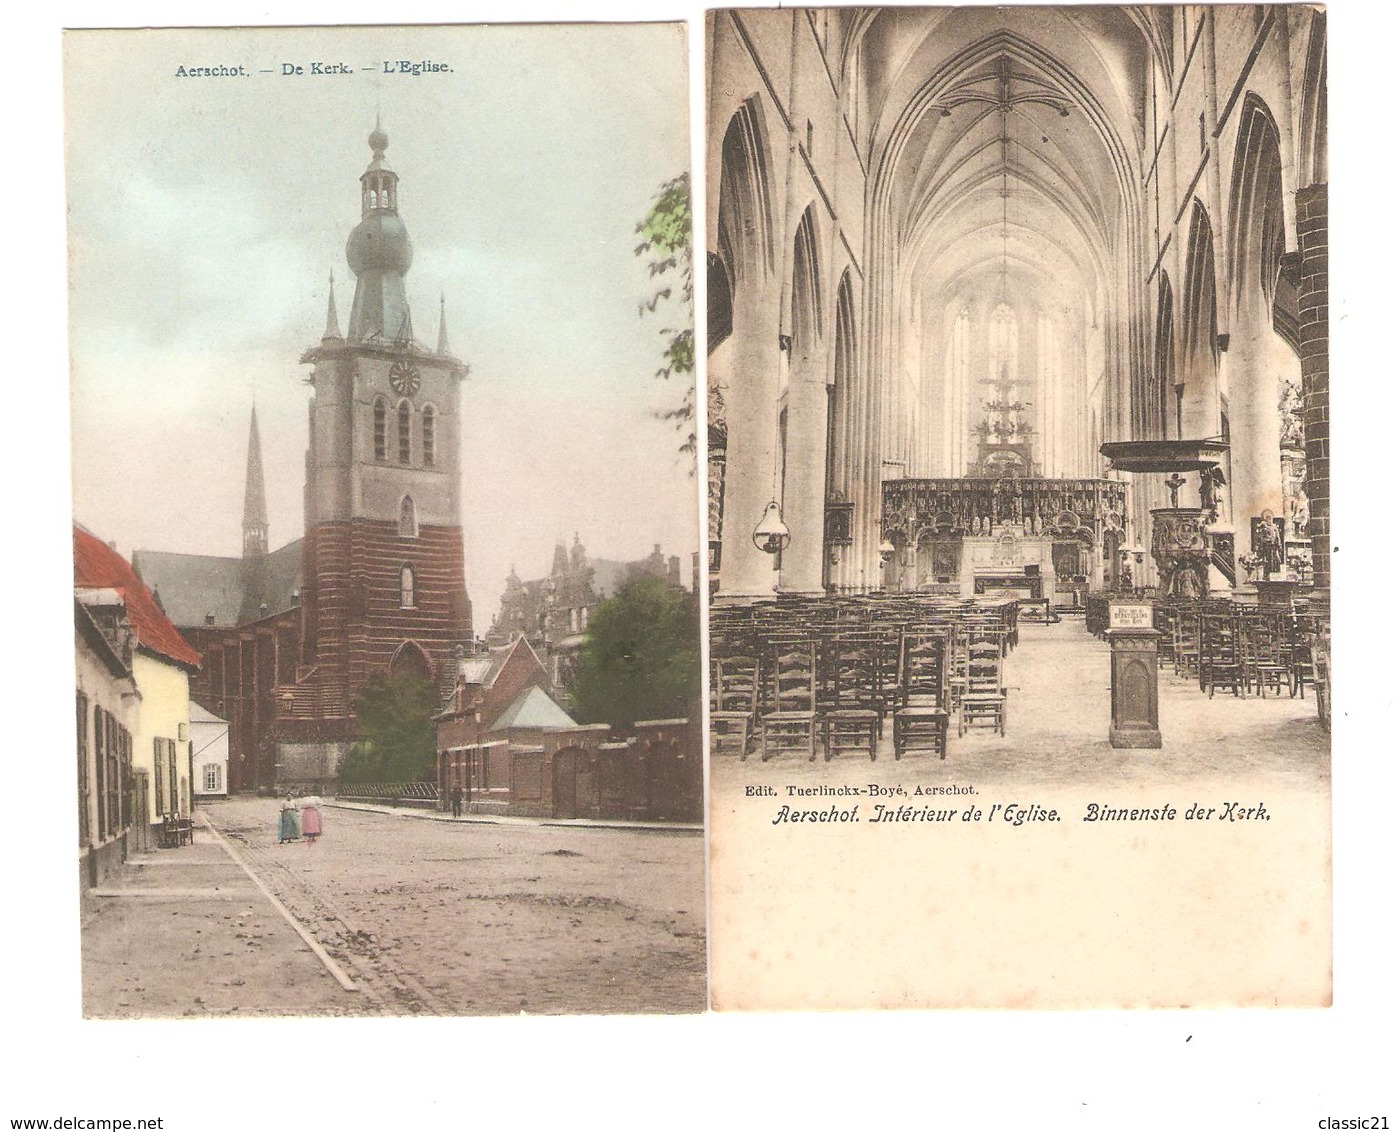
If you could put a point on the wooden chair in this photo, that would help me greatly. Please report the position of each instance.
(921, 720)
(984, 701)
(1264, 660)
(1299, 654)
(1220, 663)
(733, 704)
(789, 721)
(1165, 621)
(1185, 645)
(852, 718)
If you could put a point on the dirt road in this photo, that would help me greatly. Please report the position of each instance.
(425, 917)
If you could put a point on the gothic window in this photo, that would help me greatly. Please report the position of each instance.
(429, 435)
(381, 430)
(407, 518)
(405, 432)
(407, 598)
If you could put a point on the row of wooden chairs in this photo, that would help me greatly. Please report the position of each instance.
(841, 689)
(1245, 649)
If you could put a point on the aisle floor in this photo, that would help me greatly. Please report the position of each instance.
(1059, 704)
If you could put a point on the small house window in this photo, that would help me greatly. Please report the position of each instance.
(407, 598)
(405, 433)
(213, 778)
(429, 435)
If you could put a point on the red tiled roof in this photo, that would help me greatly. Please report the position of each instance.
(97, 566)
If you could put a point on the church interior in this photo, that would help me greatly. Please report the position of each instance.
(1017, 335)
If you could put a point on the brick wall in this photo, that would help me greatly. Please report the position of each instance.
(1313, 309)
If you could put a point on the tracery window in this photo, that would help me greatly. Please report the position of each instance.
(381, 437)
(405, 433)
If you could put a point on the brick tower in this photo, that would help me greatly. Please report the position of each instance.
(382, 562)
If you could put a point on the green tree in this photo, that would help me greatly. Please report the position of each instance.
(641, 656)
(398, 741)
(667, 242)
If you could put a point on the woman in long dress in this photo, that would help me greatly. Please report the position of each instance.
(310, 822)
(288, 827)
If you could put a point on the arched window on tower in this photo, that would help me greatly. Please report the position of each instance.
(407, 588)
(429, 435)
(381, 430)
(405, 433)
(407, 518)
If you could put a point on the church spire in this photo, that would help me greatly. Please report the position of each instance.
(332, 317)
(442, 326)
(254, 498)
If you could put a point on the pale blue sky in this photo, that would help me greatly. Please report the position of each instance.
(205, 215)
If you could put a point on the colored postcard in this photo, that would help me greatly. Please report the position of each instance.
(1019, 524)
(385, 535)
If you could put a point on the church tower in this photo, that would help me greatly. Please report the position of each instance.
(382, 562)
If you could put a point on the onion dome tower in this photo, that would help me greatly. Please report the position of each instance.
(383, 564)
(379, 253)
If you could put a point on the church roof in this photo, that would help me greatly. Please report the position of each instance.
(533, 707)
(234, 590)
(97, 566)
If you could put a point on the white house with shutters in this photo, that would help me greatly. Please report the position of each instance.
(208, 735)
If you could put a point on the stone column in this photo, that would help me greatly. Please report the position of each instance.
(1256, 357)
(1313, 307)
(745, 572)
(804, 488)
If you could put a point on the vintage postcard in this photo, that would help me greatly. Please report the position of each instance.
(1019, 527)
(389, 690)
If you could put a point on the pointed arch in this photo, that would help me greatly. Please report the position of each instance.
(1201, 324)
(1256, 223)
(1312, 156)
(806, 328)
(719, 290)
(745, 205)
(1167, 387)
(841, 425)
(411, 659)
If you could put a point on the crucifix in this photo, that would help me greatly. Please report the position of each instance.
(1174, 482)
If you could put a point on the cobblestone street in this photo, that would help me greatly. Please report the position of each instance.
(422, 916)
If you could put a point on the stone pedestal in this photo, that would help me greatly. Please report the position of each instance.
(1134, 706)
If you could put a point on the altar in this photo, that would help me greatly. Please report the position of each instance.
(1040, 538)
(1003, 528)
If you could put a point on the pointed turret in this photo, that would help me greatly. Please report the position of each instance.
(442, 348)
(332, 317)
(254, 498)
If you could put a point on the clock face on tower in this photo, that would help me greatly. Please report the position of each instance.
(404, 378)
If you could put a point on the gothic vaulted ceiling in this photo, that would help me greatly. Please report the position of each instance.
(1002, 143)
